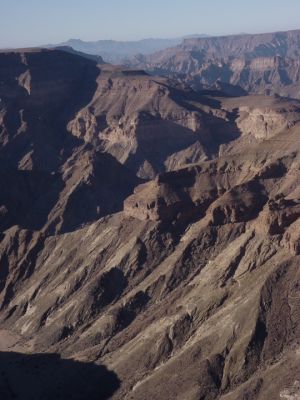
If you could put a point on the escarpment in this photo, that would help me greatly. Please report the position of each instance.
(146, 230)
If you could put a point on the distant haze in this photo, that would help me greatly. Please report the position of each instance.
(36, 22)
(117, 51)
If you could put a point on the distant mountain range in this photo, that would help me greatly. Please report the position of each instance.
(266, 63)
(116, 51)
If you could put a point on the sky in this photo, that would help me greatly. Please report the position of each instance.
(37, 22)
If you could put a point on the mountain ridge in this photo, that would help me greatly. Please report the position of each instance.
(116, 51)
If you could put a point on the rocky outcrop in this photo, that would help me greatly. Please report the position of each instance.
(291, 238)
(265, 123)
(229, 190)
(154, 202)
(278, 215)
(169, 198)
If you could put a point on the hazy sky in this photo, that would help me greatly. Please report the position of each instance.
(34, 22)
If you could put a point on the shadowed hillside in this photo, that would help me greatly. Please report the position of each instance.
(47, 377)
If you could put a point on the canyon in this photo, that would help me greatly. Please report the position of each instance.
(150, 236)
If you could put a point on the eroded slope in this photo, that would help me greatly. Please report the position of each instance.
(193, 293)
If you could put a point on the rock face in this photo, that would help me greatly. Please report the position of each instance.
(184, 286)
(52, 180)
(265, 63)
(139, 120)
